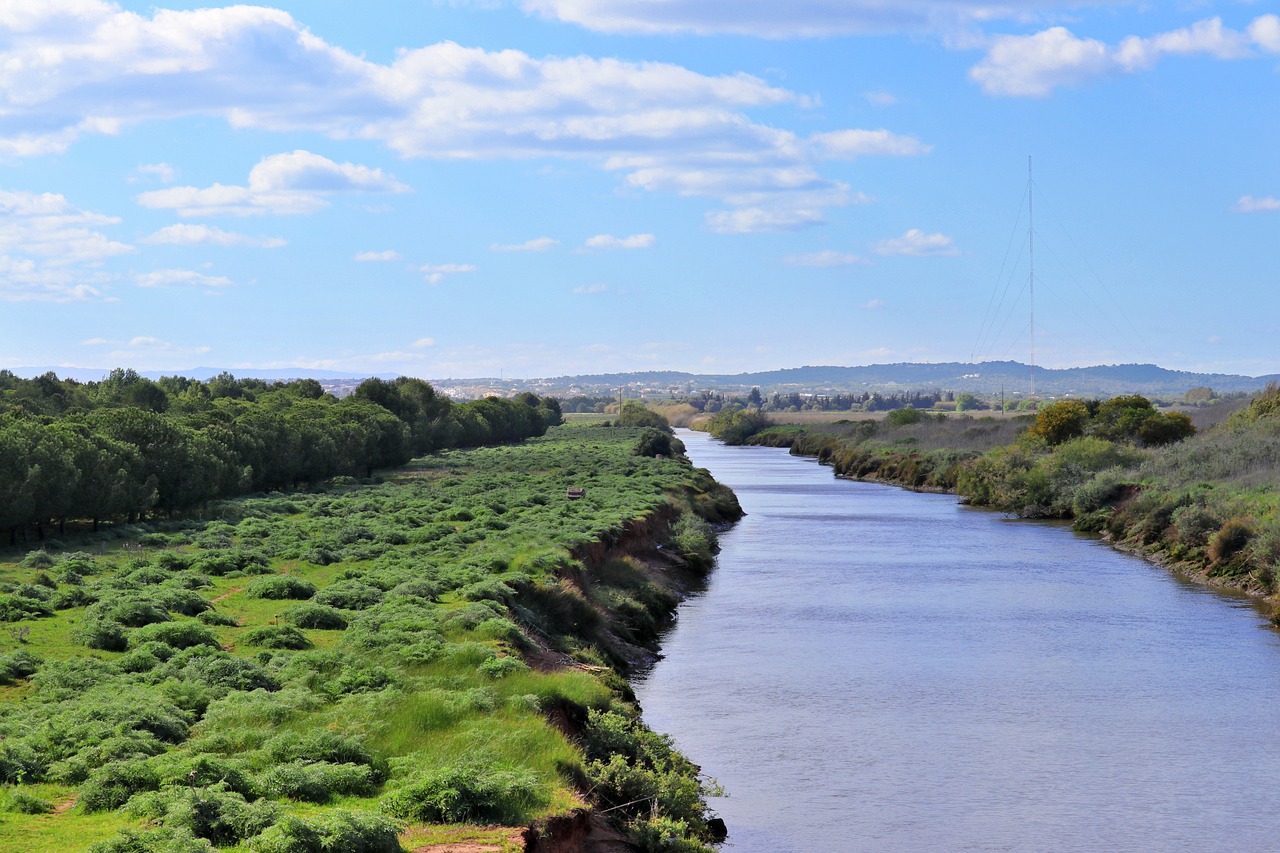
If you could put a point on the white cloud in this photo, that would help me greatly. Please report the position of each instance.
(825, 259)
(753, 220)
(1035, 65)
(282, 184)
(423, 343)
(191, 235)
(778, 20)
(849, 144)
(592, 289)
(1249, 204)
(302, 171)
(50, 250)
(377, 257)
(608, 241)
(873, 304)
(538, 244)
(96, 69)
(435, 273)
(916, 243)
(180, 278)
(1265, 32)
(162, 172)
(143, 346)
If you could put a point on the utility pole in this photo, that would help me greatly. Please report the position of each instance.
(1031, 255)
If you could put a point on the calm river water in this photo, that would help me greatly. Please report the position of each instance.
(871, 669)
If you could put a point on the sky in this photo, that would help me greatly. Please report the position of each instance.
(535, 188)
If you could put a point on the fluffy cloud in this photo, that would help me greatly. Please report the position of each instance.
(850, 144)
(916, 243)
(191, 235)
(377, 257)
(753, 220)
(774, 20)
(281, 185)
(142, 347)
(538, 244)
(76, 67)
(592, 289)
(50, 250)
(1035, 65)
(608, 241)
(435, 273)
(1249, 204)
(180, 278)
(162, 172)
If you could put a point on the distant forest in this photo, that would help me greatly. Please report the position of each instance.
(128, 446)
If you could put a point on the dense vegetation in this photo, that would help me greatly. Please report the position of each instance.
(1205, 501)
(356, 667)
(127, 446)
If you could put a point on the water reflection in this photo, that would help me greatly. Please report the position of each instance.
(873, 669)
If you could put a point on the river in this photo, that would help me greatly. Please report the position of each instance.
(872, 669)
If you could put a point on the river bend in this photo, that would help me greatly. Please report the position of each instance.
(872, 669)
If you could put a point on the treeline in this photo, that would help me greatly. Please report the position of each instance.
(128, 446)
(1202, 499)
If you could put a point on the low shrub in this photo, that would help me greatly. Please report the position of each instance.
(21, 802)
(317, 781)
(111, 786)
(1232, 538)
(320, 616)
(500, 667)
(349, 595)
(214, 617)
(349, 832)
(182, 634)
(219, 814)
(162, 840)
(276, 637)
(100, 634)
(281, 588)
(467, 793)
(16, 665)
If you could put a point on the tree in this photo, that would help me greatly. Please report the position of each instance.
(1061, 421)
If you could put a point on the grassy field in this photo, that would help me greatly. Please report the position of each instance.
(360, 668)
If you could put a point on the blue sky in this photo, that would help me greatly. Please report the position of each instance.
(542, 187)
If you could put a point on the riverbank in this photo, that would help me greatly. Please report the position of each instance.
(408, 664)
(953, 679)
(1204, 507)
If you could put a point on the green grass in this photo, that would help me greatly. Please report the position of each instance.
(468, 552)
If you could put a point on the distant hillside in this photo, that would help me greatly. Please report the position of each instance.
(984, 378)
(987, 378)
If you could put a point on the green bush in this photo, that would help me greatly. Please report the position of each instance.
(319, 616)
(182, 634)
(16, 608)
(467, 793)
(276, 637)
(317, 781)
(347, 832)
(500, 667)
(162, 840)
(100, 634)
(349, 595)
(18, 664)
(22, 802)
(213, 617)
(281, 588)
(219, 814)
(111, 786)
